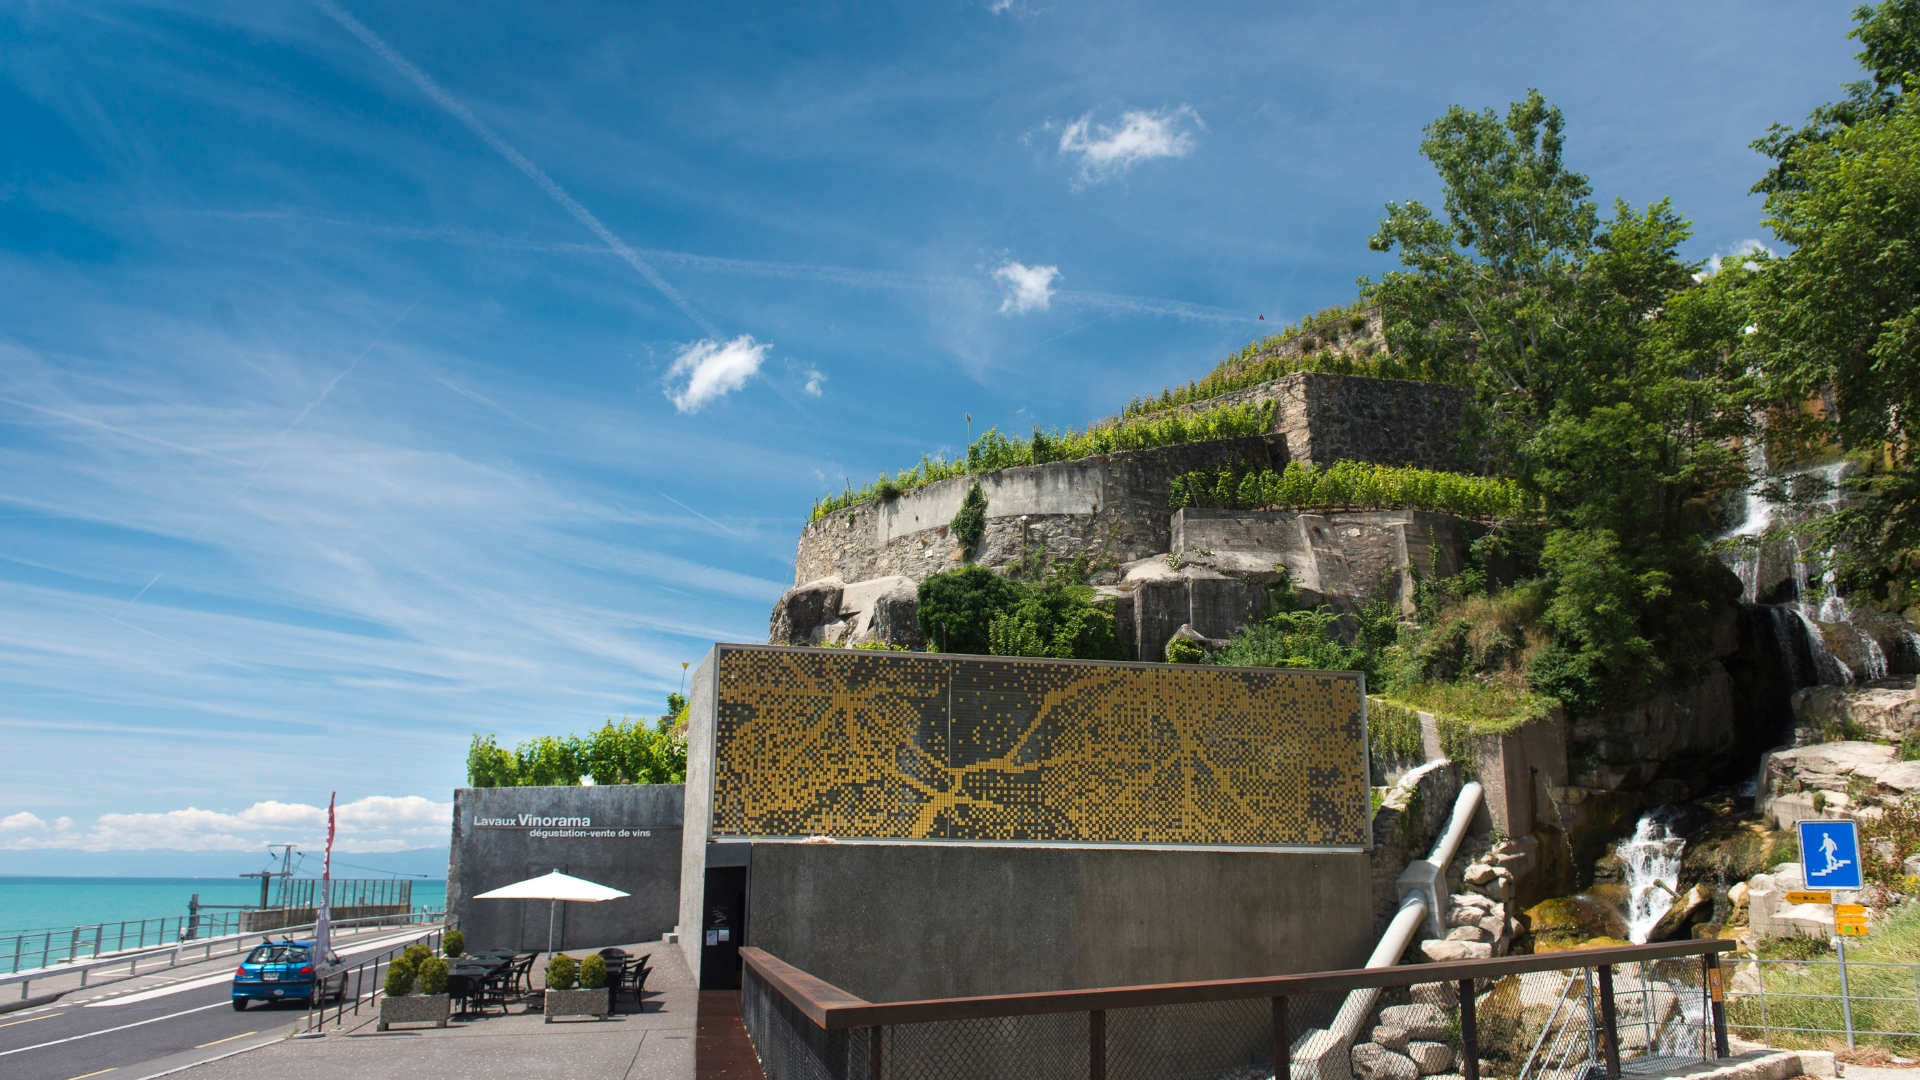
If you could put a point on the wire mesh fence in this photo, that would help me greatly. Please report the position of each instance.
(1812, 1003)
(1521, 1020)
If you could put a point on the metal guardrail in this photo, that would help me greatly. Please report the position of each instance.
(179, 952)
(359, 976)
(42, 948)
(1481, 1015)
(1820, 999)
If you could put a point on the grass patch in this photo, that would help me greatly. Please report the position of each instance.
(993, 450)
(1394, 730)
(1333, 341)
(1896, 940)
(1352, 485)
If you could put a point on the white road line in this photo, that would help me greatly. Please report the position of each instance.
(109, 1031)
(352, 948)
(163, 991)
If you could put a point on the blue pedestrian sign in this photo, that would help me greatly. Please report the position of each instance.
(1830, 854)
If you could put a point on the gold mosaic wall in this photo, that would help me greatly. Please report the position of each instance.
(876, 745)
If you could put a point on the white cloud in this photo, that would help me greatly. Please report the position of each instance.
(374, 823)
(1739, 251)
(709, 369)
(20, 821)
(815, 380)
(1028, 287)
(1110, 150)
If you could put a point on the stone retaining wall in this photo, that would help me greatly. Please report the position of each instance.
(1329, 418)
(1112, 508)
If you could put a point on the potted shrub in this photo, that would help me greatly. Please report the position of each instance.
(410, 972)
(453, 943)
(564, 999)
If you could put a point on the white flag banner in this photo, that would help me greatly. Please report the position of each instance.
(323, 914)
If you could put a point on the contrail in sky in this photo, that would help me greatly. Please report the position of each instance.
(519, 161)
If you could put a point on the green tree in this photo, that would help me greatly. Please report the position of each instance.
(490, 766)
(1619, 424)
(1838, 320)
(957, 607)
(1890, 36)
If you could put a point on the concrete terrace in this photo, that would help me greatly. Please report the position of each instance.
(654, 1041)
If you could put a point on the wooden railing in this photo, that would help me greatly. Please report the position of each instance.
(829, 1009)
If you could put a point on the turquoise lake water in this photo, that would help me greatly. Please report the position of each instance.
(42, 903)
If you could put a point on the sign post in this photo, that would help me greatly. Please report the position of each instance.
(1830, 859)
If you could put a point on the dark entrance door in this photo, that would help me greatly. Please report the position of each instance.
(723, 927)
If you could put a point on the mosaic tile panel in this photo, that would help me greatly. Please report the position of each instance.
(915, 746)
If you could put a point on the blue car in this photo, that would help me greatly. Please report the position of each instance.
(283, 970)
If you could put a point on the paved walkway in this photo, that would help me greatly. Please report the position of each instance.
(655, 1042)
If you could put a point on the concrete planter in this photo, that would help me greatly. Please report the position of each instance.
(576, 1003)
(414, 1009)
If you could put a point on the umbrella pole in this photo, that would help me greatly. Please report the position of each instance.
(552, 906)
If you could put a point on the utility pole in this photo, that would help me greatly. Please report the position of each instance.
(266, 876)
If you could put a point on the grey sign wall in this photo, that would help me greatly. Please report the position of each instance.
(626, 836)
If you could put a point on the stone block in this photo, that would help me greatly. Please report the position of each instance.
(1373, 1062)
(1430, 1057)
(1443, 995)
(1393, 1038)
(414, 1009)
(1423, 1022)
(575, 1003)
(1443, 952)
(1469, 933)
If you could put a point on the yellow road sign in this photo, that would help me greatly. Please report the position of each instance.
(1849, 920)
(1851, 931)
(1849, 909)
(1808, 896)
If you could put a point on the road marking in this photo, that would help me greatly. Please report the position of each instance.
(217, 1042)
(28, 1020)
(111, 1030)
(83, 1076)
(163, 991)
(203, 981)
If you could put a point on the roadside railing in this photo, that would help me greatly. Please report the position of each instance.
(360, 977)
(1811, 1002)
(39, 948)
(43, 948)
(1557, 1016)
(190, 951)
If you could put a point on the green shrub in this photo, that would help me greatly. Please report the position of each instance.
(453, 943)
(993, 450)
(400, 977)
(593, 972)
(431, 975)
(415, 954)
(623, 752)
(561, 971)
(958, 607)
(1056, 620)
(1185, 651)
(970, 521)
(1393, 729)
(1352, 485)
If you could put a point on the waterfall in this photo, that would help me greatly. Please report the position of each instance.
(1652, 862)
(1766, 527)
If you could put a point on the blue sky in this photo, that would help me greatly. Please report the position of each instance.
(375, 374)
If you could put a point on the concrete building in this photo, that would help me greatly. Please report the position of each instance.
(925, 825)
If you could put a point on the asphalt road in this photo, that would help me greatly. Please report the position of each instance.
(138, 1027)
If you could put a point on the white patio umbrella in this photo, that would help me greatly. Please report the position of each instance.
(554, 887)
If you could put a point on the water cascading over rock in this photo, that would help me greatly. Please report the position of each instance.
(1651, 859)
(1831, 643)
